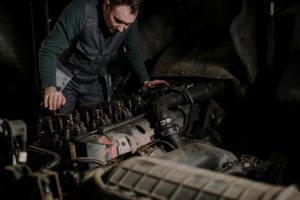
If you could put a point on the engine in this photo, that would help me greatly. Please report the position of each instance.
(164, 118)
(179, 124)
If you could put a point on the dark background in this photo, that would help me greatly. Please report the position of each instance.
(23, 25)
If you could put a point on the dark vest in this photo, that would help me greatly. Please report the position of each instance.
(89, 53)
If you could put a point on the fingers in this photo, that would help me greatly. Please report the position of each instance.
(64, 100)
(160, 82)
(154, 83)
(54, 100)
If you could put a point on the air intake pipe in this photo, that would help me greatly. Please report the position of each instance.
(167, 129)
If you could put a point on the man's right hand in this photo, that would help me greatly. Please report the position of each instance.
(53, 99)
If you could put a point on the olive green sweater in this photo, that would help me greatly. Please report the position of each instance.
(66, 28)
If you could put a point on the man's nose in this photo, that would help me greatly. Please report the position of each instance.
(121, 27)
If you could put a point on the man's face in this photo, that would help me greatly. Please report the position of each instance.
(118, 18)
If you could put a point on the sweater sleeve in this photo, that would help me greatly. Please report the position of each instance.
(134, 54)
(67, 26)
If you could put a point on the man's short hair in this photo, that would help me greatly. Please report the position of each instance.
(133, 4)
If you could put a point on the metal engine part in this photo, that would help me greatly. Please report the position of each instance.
(126, 138)
(153, 178)
(13, 140)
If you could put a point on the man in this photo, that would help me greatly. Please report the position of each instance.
(78, 49)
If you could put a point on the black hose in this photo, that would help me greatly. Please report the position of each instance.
(167, 128)
(87, 160)
(56, 157)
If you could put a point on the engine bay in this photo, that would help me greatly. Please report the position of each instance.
(176, 127)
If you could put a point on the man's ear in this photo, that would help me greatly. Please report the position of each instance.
(107, 2)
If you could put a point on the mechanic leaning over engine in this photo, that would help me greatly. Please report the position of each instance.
(76, 52)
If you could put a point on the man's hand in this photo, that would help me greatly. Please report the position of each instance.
(53, 99)
(154, 83)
